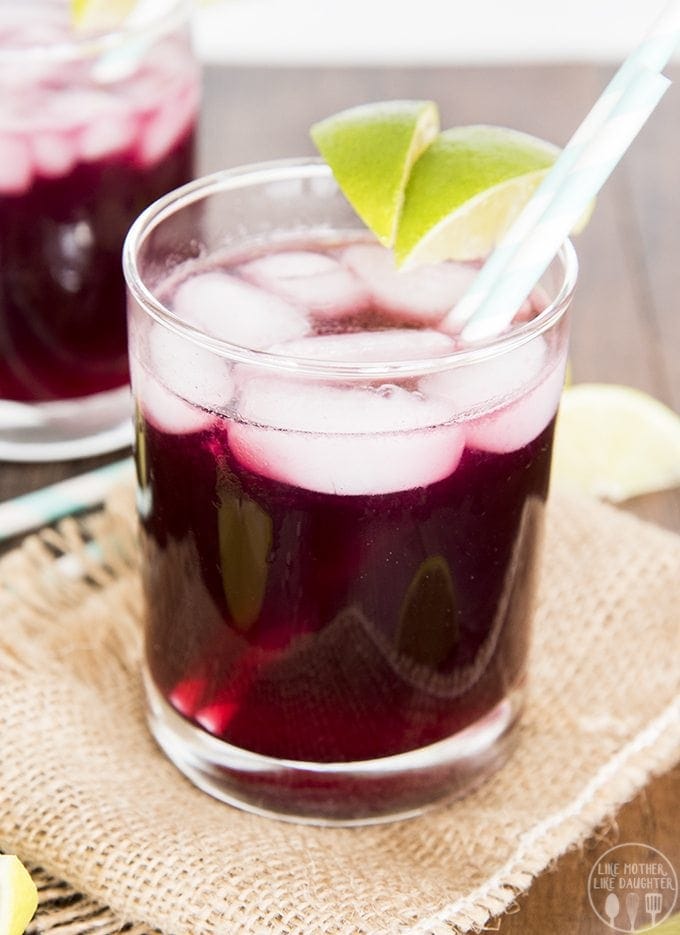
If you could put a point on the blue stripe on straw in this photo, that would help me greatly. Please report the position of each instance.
(64, 498)
(652, 54)
(585, 178)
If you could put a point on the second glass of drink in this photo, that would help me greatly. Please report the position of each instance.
(93, 128)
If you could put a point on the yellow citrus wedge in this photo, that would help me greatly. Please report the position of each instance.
(615, 442)
(371, 150)
(18, 896)
(99, 15)
(465, 191)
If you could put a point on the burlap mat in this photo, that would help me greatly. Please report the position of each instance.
(86, 795)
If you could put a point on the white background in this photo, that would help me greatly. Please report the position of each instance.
(413, 32)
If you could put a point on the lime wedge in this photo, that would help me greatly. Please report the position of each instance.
(99, 15)
(18, 896)
(465, 191)
(615, 442)
(371, 150)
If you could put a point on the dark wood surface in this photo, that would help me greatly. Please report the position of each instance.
(626, 313)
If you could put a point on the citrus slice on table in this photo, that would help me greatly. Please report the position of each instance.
(615, 442)
(18, 896)
(99, 15)
(371, 150)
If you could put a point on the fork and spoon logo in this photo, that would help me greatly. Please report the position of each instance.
(632, 888)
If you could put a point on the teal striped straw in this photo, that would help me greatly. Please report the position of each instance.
(64, 498)
(621, 111)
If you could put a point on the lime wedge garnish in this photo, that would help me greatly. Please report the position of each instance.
(18, 896)
(99, 15)
(432, 197)
(466, 190)
(371, 150)
(615, 442)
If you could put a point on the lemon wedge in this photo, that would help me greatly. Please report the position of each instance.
(18, 896)
(615, 442)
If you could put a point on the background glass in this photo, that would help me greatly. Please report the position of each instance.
(92, 129)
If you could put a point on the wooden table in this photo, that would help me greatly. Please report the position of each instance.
(626, 312)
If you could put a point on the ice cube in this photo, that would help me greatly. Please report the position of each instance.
(79, 108)
(532, 306)
(163, 409)
(475, 388)
(54, 154)
(228, 308)
(16, 165)
(290, 264)
(193, 373)
(343, 440)
(164, 129)
(314, 280)
(113, 134)
(515, 425)
(426, 293)
(370, 346)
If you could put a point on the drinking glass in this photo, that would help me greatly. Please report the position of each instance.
(341, 506)
(93, 128)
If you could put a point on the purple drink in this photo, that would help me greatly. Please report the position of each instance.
(341, 506)
(405, 611)
(91, 131)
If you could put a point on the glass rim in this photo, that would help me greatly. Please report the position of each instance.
(92, 45)
(314, 167)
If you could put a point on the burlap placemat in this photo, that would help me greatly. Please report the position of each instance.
(86, 795)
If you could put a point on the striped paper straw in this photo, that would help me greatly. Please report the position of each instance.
(495, 308)
(64, 498)
(652, 54)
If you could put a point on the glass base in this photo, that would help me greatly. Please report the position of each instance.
(68, 429)
(340, 794)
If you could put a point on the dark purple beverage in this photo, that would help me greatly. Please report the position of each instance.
(92, 129)
(310, 626)
(62, 295)
(338, 566)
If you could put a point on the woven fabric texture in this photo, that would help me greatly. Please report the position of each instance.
(86, 795)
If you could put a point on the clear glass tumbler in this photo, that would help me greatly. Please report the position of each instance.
(93, 128)
(341, 505)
